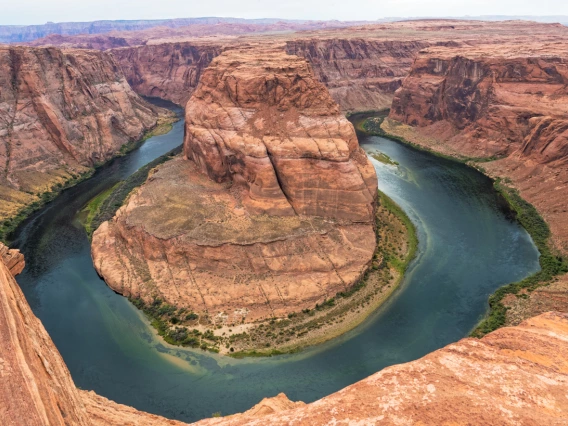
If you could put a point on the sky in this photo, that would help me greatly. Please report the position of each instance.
(26, 12)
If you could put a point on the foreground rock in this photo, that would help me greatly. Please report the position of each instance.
(271, 212)
(61, 113)
(512, 376)
(516, 375)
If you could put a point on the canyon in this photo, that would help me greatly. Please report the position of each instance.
(258, 115)
(472, 376)
(194, 26)
(61, 114)
(270, 211)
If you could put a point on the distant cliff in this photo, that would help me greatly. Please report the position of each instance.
(24, 33)
(169, 71)
(497, 102)
(361, 74)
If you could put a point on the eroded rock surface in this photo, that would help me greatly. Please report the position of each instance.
(169, 71)
(515, 375)
(361, 74)
(61, 112)
(271, 212)
(508, 103)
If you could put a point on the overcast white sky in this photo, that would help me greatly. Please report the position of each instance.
(22, 12)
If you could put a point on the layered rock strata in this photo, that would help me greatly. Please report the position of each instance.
(496, 102)
(270, 212)
(36, 388)
(361, 74)
(507, 104)
(61, 112)
(169, 71)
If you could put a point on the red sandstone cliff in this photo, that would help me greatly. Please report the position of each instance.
(169, 71)
(361, 74)
(273, 214)
(61, 112)
(507, 102)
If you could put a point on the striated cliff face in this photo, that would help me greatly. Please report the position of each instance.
(36, 388)
(35, 385)
(494, 105)
(61, 112)
(169, 71)
(274, 212)
(360, 74)
(503, 102)
(272, 128)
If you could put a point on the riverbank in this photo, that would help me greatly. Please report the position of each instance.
(553, 263)
(397, 245)
(63, 179)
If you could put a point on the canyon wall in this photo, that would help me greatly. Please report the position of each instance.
(271, 212)
(36, 388)
(506, 103)
(169, 71)
(61, 113)
(361, 74)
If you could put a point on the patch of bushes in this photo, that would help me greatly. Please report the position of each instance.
(551, 264)
(120, 192)
(9, 225)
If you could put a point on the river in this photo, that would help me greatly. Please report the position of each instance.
(468, 248)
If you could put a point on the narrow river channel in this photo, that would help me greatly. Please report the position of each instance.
(468, 248)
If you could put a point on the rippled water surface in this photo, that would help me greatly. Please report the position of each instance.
(468, 248)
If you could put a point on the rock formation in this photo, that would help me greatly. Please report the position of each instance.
(506, 103)
(515, 375)
(61, 112)
(36, 388)
(273, 214)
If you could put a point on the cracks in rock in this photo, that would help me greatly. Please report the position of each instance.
(280, 183)
(194, 281)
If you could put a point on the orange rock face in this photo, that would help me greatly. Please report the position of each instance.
(512, 376)
(273, 213)
(60, 113)
(360, 73)
(270, 127)
(169, 71)
(36, 388)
